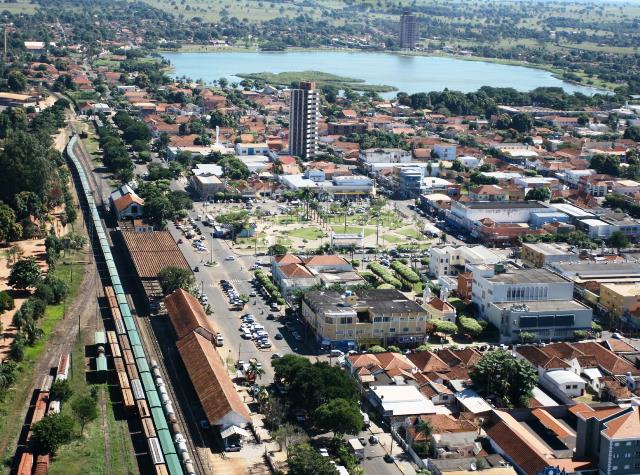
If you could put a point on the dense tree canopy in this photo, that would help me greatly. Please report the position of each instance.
(501, 375)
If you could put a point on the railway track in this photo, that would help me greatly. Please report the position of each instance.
(153, 347)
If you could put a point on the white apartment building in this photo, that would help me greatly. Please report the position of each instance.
(451, 260)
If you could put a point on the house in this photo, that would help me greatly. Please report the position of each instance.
(397, 402)
(453, 260)
(126, 204)
(489, 193)
(440, 310)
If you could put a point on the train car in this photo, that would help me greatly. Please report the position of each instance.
(127, 355)
(54, 408)
(115, 350)
(132, 371)
(40, 407)
(147, 427)
(99, 338)
(127, 399)
(136, 389)
(64, 363)
(112, 337)
(116, 315)
(118, 364)
(26, 464)
(124, 342)
(123, 381)
(155, 451)
(119, 324)
(143, 408)
(161, 469)
(45, 385)
(42, 465)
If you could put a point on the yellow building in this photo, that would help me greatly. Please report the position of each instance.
(620, 298)
(364, 318)
(540, 254)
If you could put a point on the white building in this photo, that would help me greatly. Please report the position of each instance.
(451, 260)
(385, 155)
(400, 401)
(252, 149)
(572, 177)
(563, 382)
(468, 214)
(529, 300)
(445, 151)
(470, 162)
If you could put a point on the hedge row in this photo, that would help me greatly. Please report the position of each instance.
(382, 272)
(405, 272)
(269, 286)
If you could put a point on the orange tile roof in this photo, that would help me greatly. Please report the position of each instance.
(552, 423)
(295, 270)
(210, 379)
(625, 426)
(186, 314)
(428, 361)
(124, 201)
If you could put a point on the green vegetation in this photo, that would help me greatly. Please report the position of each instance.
(500, 375)
(320, 78)
(174, 278)
(383, 273)
(269, 286)
(104, 441)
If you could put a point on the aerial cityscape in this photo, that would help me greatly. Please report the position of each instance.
(320, 237)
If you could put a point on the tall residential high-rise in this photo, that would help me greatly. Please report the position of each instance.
(304, 113)
(408, 31)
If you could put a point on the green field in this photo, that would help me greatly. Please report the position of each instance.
(89, 454)
(70, 269)
(322, 79)
(308, 232)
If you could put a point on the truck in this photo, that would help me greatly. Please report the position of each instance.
(208, 220)
(356, 448)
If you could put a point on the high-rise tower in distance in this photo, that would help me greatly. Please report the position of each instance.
(408, 31)
(304, 113)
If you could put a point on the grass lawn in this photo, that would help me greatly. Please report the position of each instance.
(392, 239)
(86, 454)
(353, 230)
(70, 270)
(411, 233)
(308, 232)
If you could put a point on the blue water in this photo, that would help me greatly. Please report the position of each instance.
(410, 74)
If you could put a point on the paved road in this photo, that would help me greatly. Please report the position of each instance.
(228, 321)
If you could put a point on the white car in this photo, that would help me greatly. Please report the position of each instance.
(324, 452)
(229, 258)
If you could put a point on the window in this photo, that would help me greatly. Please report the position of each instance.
(405, 330)
(392, 330)
(615, 467)
(339, 332)
(628, 443)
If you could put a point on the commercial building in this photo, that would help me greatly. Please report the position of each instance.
(540, 254)
(408, 31)
(207, 185)
(364, 318)
(304, 113)
(621, 299)
(342, 187)
(529, 300)
(126, 204)
(453, 260)
(469, 214)
(384, 155)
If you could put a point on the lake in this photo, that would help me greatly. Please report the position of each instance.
(410, 74)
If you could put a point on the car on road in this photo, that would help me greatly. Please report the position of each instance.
(275, 356)
(196, 269)
(278, 336)
(373, 440)
(388, 458)
(229, 258)
(271, 316)
(252, 293)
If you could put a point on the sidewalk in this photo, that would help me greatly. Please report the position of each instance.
(402, 460)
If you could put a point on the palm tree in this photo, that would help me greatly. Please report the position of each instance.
(32, 332)
(255, 371)
(7, 374)
(345, 207)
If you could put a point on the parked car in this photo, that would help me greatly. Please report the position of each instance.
(373, 440)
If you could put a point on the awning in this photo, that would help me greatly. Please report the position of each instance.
(231, 430)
